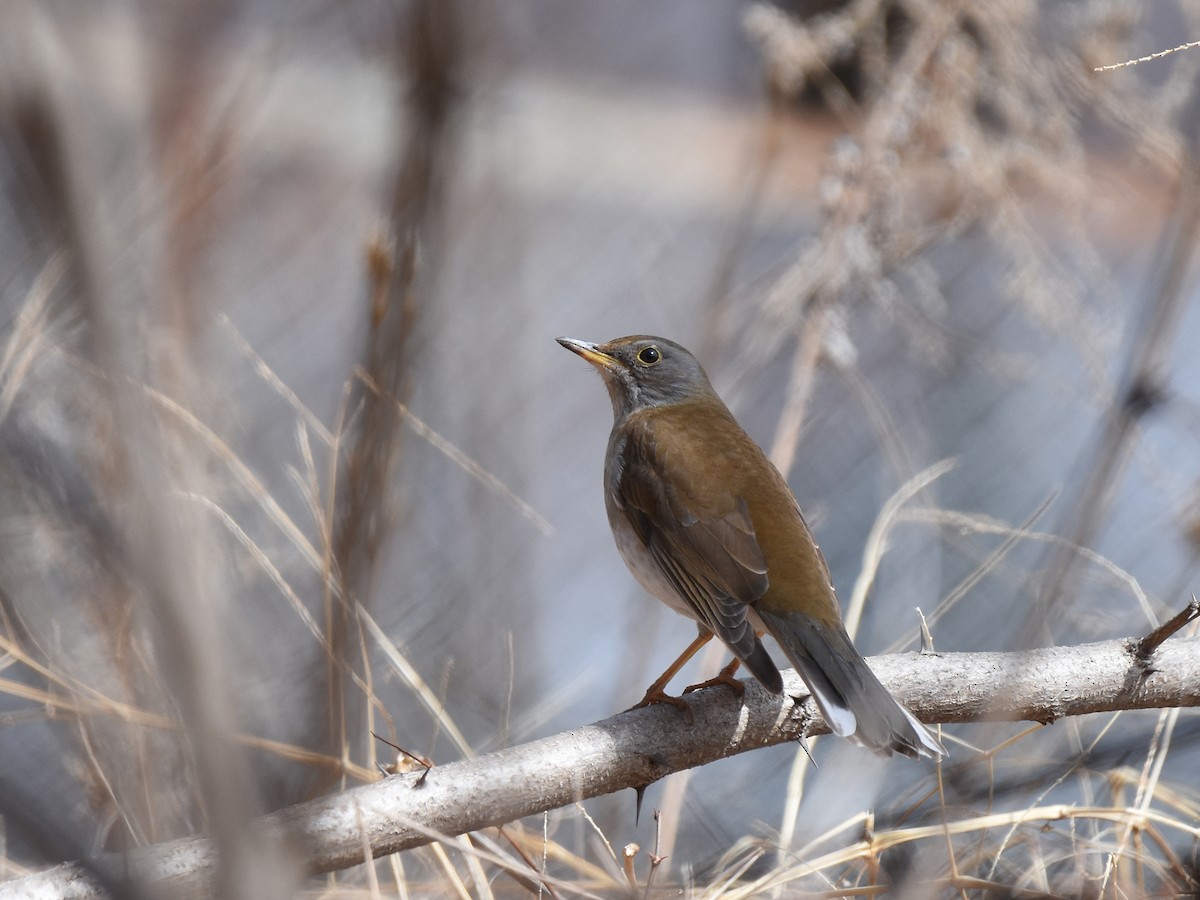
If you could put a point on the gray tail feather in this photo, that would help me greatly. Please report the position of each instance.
(850, 697)
(763, 668)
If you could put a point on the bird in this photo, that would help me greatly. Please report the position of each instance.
(708, 525)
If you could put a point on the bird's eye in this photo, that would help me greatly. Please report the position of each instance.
(648, 356)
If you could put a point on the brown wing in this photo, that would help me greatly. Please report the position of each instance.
(707, 550)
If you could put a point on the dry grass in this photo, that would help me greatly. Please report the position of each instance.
(192, 633)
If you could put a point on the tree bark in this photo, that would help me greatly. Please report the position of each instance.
(636, 748)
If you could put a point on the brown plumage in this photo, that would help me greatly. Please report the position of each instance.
(708, 525)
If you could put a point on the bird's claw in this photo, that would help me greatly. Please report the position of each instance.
(657, 695)
(736, 685)
(725, 677)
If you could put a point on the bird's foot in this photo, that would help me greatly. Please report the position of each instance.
(725, 677)
(738, 687)
(658, 695)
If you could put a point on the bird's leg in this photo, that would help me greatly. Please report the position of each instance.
(656, 693)
(725, 676)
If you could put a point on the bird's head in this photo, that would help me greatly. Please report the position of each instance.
(641, 371)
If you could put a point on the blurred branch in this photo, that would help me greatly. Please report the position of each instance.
(1143, 387)
(428, 56)
(636, 748)
(102, 187)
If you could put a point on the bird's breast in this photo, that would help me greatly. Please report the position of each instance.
(630, 544)
(639, 561)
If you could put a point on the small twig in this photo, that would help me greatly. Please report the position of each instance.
(1145, 648)
(656, 858)
(543, 884)
(802, 740)
(627, 856)
(1142, 59)
(926, 634)
(870, 856)
(419, 760)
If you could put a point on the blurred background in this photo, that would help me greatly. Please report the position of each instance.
(288, 452)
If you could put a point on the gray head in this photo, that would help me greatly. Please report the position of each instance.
(642, 370)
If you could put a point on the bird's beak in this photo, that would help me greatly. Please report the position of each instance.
(591, 352)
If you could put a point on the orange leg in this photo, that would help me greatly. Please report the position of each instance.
(656, 693)
(725, 676)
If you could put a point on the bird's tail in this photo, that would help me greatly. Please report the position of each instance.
(850, 697)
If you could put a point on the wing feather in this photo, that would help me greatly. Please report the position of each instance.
(707, 552)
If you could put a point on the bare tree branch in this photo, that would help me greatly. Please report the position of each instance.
(635, 748)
